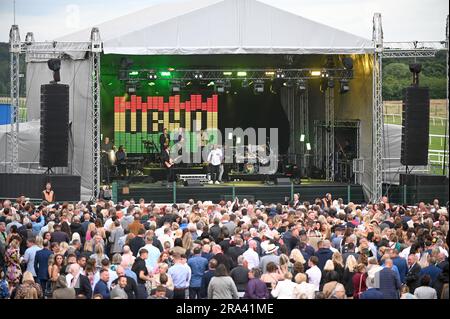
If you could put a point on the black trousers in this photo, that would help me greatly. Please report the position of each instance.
(170, 174)
(215, 170)
(179, 293)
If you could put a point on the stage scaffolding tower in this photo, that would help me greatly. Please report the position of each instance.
(15, 47)
(329, 134)
(96, 50)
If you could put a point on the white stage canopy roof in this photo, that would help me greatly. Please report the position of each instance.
(221, 27)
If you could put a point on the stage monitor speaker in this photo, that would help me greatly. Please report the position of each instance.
(415, 126)
(54, 125)
(283, 181)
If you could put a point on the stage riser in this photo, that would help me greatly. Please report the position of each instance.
(273, 194)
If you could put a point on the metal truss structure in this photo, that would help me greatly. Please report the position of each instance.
(233, 74)
(96, 50)
(46, 50)
(377, 112)
(329, 134)
(14, 49)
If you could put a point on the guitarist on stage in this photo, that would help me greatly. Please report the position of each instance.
(164, 140)
(168, 164)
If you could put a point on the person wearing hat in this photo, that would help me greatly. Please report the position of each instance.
(270, 256)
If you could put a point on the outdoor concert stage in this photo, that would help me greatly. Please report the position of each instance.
(309, 189)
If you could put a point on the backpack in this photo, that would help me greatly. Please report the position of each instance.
(4, 289)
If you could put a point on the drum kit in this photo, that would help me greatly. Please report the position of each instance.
(253, 158)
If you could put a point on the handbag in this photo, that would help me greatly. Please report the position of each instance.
(360, 284)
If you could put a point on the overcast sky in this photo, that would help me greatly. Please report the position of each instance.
(403, 20)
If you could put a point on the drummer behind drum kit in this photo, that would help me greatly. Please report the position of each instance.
(252, 159)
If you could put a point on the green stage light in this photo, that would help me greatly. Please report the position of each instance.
(242, 73)
(210, 83)
(228, 73)
(151, 84)
(133, 73)
(165, 73)
(302, 138)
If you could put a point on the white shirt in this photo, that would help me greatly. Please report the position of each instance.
(304, 289)
(284, 289)
(252, 258)
(314, 275)
(215, 157)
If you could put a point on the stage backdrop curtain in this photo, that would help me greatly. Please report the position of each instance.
(221, 27)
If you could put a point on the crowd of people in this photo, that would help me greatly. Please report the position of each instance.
(228, 250)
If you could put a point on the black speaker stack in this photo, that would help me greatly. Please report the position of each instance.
(415, 126)
(54, 125)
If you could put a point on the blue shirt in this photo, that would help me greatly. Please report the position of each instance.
(402, 267)
(102, 288)
(198, 266)
(180, 275)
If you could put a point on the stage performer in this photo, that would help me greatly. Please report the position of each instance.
(180, 140)
(164, 140)
(48, 194)
(107, 149)
(121, 157)
(215, 157)
(168, 164)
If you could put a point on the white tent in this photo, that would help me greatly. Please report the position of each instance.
(221, 27)
(199, 27)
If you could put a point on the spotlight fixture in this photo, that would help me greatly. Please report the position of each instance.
(308, 146)
(330, 83)
(344, 86)
(219, 86)
(288, 84)
(227, 73)
(198, 75)
(302, 138)
(175, 86)
(152, 75)
(301, 85)
(316, 73)
(280, 74)
(131, 88)
(55, 66)
(270, 73)
(242, 73)
(347, 62)
(258, 87)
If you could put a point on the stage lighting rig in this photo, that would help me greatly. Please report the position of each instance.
(280, 74)
(198, 75)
